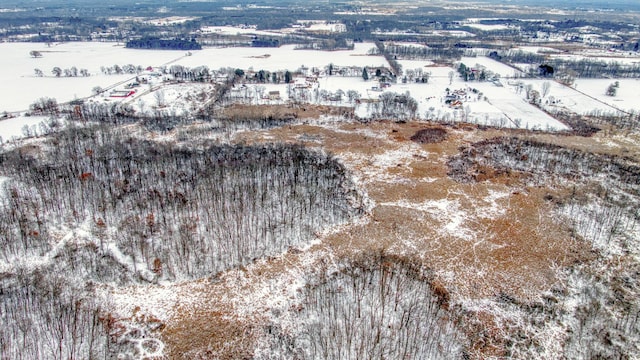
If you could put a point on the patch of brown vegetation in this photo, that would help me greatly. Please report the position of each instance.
(430, 135)
(251, 112)
(614, 143)
(500, 176)
(208, 335)
(529, 244)
(486, 336)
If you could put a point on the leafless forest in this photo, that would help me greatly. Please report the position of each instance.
(372, 307)
(91, 206)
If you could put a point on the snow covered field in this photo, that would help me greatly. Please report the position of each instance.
(495, 66)
(15, 127)
(486, 27)
(233, 30)
(489, 104)
(21, 86)
(587, 96)
(626, 96)
(24, 87)
(603, 57)
(283, 58)
(516, 111)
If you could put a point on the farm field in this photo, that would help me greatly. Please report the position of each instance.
(587, 96)
(26, 87)
(626, 97)
(504, 106)
(496, 111)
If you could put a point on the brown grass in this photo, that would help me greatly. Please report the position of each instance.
(239, 111)
(513, 252)
(430, 135)
(210, 335)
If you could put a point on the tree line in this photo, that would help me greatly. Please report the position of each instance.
(424, 52)
(584, 68)
(163, 44)
(197, 212)
(67, 72)
(136, 211)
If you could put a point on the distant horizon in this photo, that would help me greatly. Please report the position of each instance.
(572, 4)
(575, 4)
(562, 3)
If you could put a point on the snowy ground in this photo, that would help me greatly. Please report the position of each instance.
(25, 87)
(449, 33)
(486, 27)
(516, 109)
(15, 128)
(233, 30)
(178, 99)
(283, 58)
(626, 97)
(495, 66)
(620, 58)
(425, 65)
(503, 106)
(587, 96)
(538, 49)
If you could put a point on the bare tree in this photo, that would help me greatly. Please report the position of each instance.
(527, 90)
(374, 308)
(159, 96)
(253, 201)
(47, 106)
(353, 95)
(141, 105)
(546, 86)
(612, 89)
(568, 78)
